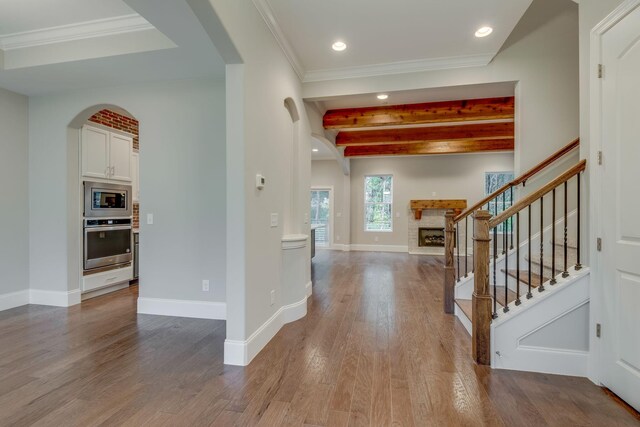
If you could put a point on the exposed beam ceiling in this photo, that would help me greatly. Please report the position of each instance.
(432, 112)
(427, 134)
(446, 127)
(433, 147)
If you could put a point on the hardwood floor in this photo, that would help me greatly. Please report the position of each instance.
(375, 349)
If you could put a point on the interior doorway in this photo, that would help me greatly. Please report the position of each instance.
(321, 215)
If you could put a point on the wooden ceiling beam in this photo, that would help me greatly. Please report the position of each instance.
(430, 112)
(433, 147)
(427, 134)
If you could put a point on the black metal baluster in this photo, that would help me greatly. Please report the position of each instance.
(458, 247)
(553, 238)
(541, 287)
(529, 294)
(495, 281)
(473, 231)
(565, 272)
(504, 231)
(578, 265)
(506, 273)
(466, 243)
(518, 302)
(511, 219)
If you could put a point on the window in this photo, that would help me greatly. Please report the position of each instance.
(378, 201)
(492, 182)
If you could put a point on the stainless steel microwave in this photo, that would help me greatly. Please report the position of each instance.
(107, 200)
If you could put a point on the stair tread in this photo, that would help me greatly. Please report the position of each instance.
(524, 277)
(466, 306)
(511, 296)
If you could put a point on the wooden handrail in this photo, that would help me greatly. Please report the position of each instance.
(521, 179)
(523, 203)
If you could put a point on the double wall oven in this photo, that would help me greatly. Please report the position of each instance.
(107, 225)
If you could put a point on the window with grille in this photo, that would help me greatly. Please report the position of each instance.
(492, 182)
(378, 203)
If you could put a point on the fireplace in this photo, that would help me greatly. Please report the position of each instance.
(431, 237)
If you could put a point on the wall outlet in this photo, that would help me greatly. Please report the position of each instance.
(274, 220)
(433, 194)
(306, 218)
(337, 237)
(397, 214)
(205, 286)
(149, 218)
(375, 239)
(273, 297)
(338, 214)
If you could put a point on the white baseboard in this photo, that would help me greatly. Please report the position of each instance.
(309, 287)
(380, 248)
(14, 299)
(340, 247)
(241, 353)
(183, 308)
(54, 298)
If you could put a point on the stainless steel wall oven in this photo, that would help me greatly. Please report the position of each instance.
(107, 242)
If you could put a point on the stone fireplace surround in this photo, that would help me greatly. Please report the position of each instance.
(430, 218)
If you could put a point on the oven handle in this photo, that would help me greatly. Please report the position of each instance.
(99, 228)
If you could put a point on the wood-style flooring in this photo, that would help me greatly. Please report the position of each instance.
(375, 349)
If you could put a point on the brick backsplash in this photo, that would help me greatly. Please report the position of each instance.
(118, 121)
(136, 215)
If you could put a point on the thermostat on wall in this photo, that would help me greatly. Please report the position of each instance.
(260, 182)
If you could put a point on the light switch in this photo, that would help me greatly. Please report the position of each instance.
(397, 214)
(274, 220)
(150, 218)
(306, 218)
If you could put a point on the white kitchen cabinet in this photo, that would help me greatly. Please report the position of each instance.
(135, 176)
(106, 154)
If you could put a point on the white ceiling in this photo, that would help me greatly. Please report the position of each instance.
(323, 153)
(142, 41)
(18, 16)
(437, 32)
(450, 93)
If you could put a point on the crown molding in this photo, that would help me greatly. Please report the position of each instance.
(270, 19)
(401, 67)
(79, 31)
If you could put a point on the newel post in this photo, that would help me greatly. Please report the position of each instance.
(481, 337)
(449, 270)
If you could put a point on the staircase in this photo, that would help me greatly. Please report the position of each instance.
(522, 292)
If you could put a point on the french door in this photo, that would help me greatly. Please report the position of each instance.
(321, 215)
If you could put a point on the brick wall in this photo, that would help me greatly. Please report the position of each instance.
(118, 121)
(126, 124)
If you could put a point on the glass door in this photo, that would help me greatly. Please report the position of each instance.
(320, 215)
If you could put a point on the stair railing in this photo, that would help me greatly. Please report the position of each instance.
(485, 296)
(453, 270)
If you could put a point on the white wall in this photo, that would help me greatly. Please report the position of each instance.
(541, 55)
(14, 215)
(183, 183)
(260, 134)
(449, 177)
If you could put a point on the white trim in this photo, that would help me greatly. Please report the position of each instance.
(294, 241)
(269, 18)
(78, 31)
(466, 322)
(54, 298)
(400, 67)
(595, 366)
(309, 288)
(380, 248)
(241, 353)
(332, 220)
(183, 308)
(14, 299)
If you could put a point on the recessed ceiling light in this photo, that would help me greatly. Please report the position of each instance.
(315, 150)
(383, 96)
(339, 46)
(484, 31)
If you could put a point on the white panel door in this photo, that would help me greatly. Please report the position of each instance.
(120, 150)
(95, 152)
(621, 208)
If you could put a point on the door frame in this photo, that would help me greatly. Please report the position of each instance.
(329, 188)
(596, 144)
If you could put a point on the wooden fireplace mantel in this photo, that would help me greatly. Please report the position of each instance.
(456, 205)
